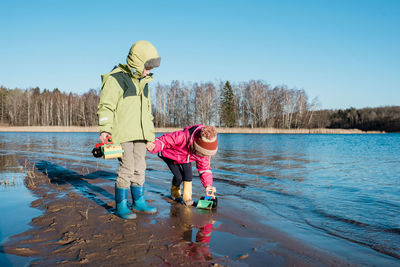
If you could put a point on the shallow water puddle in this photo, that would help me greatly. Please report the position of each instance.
(16, 212)
(248, 250)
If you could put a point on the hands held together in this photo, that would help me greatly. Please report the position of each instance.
(150, 146)
(106, 137)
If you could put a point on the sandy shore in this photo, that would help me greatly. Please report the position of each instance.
(165, 130)
(78, 226)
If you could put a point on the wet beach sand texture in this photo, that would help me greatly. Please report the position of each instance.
(78, 226)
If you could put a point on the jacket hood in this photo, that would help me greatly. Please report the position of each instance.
(143, 55)
(123, 68)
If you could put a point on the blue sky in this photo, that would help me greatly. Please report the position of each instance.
(345, 52)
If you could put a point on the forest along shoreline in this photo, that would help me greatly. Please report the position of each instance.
(166, 130)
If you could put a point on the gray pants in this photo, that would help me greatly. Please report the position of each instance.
(132, 165)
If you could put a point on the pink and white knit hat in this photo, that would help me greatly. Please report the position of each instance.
(205, 142)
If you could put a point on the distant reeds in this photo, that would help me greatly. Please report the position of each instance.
(12, 182)
(165, 130)
(280, 131)
(29, 180)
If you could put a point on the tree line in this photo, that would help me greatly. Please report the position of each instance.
(248, 104)
(253, 104)
(35, 107)
(366, 119)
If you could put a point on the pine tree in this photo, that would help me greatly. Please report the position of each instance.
(227, 106)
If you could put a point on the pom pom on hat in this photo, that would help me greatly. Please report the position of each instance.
(206, 141)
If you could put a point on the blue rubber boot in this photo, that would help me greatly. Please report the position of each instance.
(139, 202)
(121, 200)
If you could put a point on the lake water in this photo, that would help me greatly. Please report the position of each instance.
(339, 193)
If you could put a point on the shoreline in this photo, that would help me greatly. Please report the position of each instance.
(78, 226)
(94, 129)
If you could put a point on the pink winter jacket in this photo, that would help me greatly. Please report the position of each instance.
(178, 147)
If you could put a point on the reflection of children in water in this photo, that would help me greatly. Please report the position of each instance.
(197, 250)
(200, 249)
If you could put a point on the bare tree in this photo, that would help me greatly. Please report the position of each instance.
(205, 102)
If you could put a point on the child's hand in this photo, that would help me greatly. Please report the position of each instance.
(104, 137)
(210, 191)
(150, 146)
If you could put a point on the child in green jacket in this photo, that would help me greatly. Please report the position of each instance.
(124, 113)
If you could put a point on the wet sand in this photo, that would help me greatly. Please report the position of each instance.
(78, 227)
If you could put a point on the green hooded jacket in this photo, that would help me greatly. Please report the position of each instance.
(124, 109)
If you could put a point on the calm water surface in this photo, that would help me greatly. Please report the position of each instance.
(340, 193)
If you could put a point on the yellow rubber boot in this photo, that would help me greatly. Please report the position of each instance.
(176, 192)
(187, 193)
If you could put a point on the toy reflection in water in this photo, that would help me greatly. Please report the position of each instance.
(200, 250)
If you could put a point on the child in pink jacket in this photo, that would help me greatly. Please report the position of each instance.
(179, 149)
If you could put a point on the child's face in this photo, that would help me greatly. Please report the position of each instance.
(145, 72)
